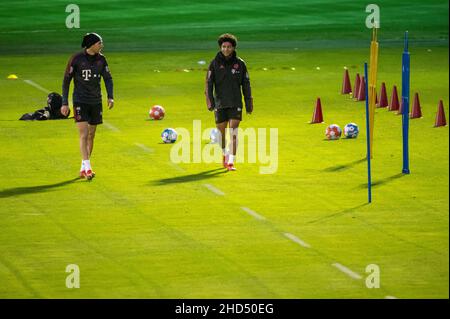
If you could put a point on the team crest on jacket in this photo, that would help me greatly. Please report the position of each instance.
(235, 69)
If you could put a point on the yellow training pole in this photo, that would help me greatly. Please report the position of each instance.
(372, 83)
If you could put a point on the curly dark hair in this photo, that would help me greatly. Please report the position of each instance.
(227, 37)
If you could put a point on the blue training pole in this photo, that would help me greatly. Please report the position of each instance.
(405, 101)
(369, 177)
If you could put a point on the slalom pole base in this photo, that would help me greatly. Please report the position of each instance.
(406, 171)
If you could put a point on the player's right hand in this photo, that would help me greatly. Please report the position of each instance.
(65, 110)
(110, 103)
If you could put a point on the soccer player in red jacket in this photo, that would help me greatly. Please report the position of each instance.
(227, 76)
(86, 68)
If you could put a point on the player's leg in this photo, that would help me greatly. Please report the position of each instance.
(221, 118)
(235, 117)
(83, 132)
(91, 136)
(95, 117)
(222, 127)
(234, 125)
(81, 116)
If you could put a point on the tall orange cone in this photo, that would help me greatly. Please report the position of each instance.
(362, 90)
(416, 111)
(383, 101)
(346, 86)
(317, 115)
(394, 105)
(440, 116)
(356, 88)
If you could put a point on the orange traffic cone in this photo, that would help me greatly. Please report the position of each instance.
(440, 116)
(416, 111)
(317, 115)
(394, 105)
(362, 90)
(356, 88)
(346, 86)
(383, 101)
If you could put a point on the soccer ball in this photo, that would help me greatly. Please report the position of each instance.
(351, 130)
(157, 112)
(214, 136)
(333, 132)
(169, 135)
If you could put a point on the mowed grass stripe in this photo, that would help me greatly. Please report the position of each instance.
(181, 26)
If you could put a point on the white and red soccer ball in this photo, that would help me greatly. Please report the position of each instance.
(333, 132)
(157, 112)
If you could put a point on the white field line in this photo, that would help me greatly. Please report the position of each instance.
(144, 148)
(111, 127)
(390, 297)
(253, 213)
(347, 271)
(214, 189)
(297, 240)
(37, 86)
(176, 166)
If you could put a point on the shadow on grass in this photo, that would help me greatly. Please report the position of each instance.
(16, 191)
(338, 214)
(190, 178)
(344, 166)
(383, 181)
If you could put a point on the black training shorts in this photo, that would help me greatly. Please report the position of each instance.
(91, 113)
(224, 115)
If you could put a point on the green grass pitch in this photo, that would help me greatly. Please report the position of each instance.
(147, 228)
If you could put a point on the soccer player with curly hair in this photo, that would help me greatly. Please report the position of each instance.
(226, 81)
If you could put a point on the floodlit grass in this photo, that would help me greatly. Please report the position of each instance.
(148, 228)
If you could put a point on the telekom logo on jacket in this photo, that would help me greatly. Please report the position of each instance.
(86, 74)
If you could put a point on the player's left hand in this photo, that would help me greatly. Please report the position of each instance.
(110, 103)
